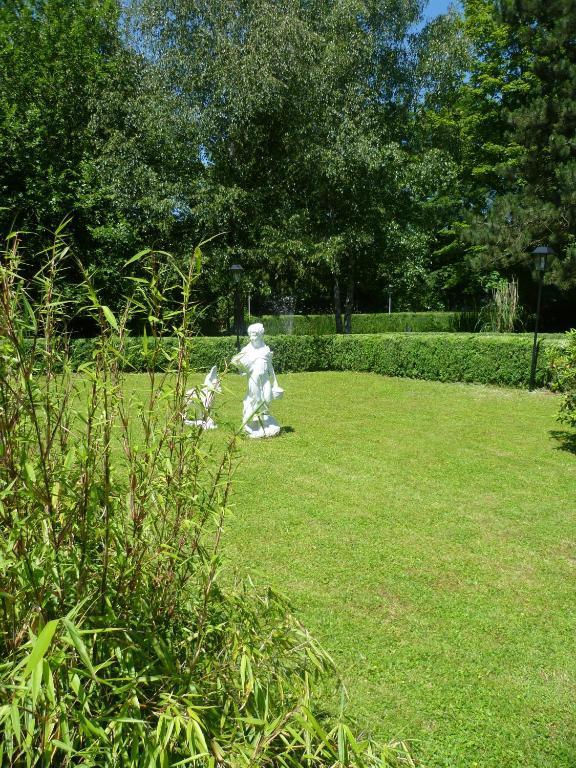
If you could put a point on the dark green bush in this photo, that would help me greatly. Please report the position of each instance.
(420, 322)
(502, 359)
(563, 374)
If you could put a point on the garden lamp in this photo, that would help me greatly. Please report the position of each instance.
(541, 257)
(540, 254)
(237, 271)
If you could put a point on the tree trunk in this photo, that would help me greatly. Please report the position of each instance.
(337, 306)
(349, 305)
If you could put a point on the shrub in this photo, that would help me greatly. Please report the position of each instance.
(139, 353)
(420, 322)
(119, 646)
(563, 368)
(502, 359)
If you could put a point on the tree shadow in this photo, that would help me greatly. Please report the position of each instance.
(566, 440)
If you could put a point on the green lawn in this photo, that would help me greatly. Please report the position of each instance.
(426, 534)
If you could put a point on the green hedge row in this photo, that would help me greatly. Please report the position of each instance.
(418, 322)
(500, 359)
(139, 356)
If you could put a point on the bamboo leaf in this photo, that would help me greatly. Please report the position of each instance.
(61, 745)
(36, 680)
(49, 683)
(209, 239)
(92, 728)
(78, 643)
(342, 746)
(29, 472)
(30, 313)
(15, 717)
(200, 736)
(41, 645)
(138, 256)
(69, 458)
(252, 721)
(110, 317)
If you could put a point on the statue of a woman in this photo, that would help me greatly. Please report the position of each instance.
(255, 360)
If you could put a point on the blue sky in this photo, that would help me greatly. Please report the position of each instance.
(436, 7)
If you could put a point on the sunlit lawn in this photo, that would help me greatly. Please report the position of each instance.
(426, 533)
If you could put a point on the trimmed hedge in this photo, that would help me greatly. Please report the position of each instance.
(395, 322)
(501, 359)
(207, 351)
(485, 359)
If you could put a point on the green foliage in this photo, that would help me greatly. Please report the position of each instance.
(370, 323)
(141, 353)
(524, 77)
(563, 370)
(479, 358)
(305, 118)
(502, 359)
(502, 312)
(118, 644)
(336, 149)
(54, 57)
(85, 134)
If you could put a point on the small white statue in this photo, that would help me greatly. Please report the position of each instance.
(202, 401)
(255, 360)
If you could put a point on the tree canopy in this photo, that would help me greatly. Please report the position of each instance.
(336, 147)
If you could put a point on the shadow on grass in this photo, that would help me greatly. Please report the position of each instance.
(287, 430)
(566, 440)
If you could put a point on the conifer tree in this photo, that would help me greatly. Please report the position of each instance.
(532, 89)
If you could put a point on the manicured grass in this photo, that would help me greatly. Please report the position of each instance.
(426, 533)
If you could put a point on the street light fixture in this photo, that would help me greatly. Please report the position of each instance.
(237, 271)
(540, 254)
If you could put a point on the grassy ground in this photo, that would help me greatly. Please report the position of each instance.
(426, 533)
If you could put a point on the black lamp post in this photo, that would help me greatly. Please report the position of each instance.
(540, 254)
(237, 271)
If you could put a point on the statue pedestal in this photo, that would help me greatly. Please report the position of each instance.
(207, 423)
(262, 426)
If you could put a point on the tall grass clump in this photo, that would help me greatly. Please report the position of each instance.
(118, 645)
(502, 313)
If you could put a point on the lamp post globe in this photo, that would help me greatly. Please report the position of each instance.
(541, 254)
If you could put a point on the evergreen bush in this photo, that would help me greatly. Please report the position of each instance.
(563, 372)
(502, 359)
(479, 358)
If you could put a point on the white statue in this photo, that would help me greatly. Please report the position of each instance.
(255, 360)
(202, 401)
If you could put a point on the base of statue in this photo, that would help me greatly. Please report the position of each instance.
(202, 423)
(263, 426)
